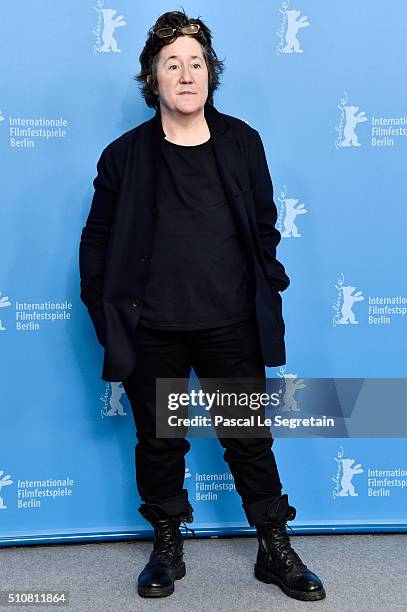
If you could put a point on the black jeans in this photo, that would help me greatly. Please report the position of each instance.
(229, 351)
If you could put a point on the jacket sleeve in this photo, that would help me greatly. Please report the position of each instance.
(266, 213)
(95, 234)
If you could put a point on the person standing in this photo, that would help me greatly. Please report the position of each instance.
(178, 270)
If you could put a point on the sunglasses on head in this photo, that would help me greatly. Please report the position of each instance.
(190, 28)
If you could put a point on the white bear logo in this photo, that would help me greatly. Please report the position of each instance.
(293, 25)
(4, 481)
(113, 405)
(352, 119)
(291, 385)
(4, 301)
(348, 472)
(291, 212)
(349, 298)
(110, 24)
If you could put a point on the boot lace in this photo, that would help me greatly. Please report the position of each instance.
(280, 540)
(188, 529)
(168, 540)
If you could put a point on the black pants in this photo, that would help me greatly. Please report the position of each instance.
(230, 351)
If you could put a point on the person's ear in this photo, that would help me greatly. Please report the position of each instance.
(149, 79)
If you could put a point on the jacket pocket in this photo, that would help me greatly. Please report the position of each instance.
(276, 297)
(92, 293)
(274, 300)
(98, 319)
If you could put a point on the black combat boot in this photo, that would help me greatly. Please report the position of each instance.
(277, 562)
(166, 560)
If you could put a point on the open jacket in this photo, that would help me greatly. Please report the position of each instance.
(117, 240)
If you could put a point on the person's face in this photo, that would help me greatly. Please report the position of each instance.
(181, 68)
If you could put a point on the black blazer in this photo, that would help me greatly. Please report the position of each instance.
(116, 242)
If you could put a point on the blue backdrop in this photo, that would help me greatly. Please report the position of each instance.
(326, 88)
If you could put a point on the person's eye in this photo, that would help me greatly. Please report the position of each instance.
(173, 66)
(197, 65)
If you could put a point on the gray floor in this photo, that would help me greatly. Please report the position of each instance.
(360, 572)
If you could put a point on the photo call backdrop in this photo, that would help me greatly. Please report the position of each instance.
(325, 85)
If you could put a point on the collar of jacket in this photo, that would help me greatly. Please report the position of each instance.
(214, 119)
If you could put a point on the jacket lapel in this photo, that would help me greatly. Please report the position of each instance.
(230, 162)
(233, 172)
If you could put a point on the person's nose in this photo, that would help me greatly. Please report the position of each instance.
(186, 74)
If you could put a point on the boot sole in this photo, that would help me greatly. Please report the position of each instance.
(269, 578)
(163, 591)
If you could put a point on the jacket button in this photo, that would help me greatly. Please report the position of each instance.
(136, 303)
(154, 211)
(143, 258)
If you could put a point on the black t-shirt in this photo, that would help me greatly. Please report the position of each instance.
(199, 275)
